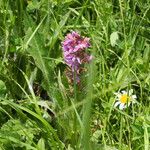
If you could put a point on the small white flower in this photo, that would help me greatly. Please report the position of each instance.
(124, 99)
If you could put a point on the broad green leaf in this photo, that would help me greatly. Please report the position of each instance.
(41, 144)
(2, 88)
(113, 38)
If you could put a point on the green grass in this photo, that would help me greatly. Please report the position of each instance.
(40, 109)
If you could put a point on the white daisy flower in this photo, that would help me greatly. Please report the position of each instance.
(124, 99)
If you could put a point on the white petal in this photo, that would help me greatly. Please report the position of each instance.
(116, 93)
(119, 96)
(134, 101)
(134, 96)
(130, 92)
(116, 104)
(128, 104)
(122, 106)
(125, 106)
(123, 92)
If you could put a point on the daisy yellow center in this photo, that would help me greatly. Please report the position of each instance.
(124, 98)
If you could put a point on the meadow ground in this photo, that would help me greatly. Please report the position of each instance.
(72, 93)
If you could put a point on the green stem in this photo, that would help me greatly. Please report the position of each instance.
(120, 137)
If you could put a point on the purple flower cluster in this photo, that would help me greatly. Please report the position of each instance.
(74, 53)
